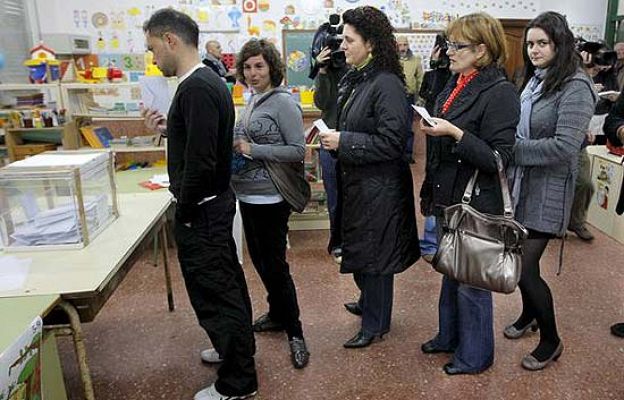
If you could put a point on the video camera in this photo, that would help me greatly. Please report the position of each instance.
(600, 53)
(443, 59)
(329, 35)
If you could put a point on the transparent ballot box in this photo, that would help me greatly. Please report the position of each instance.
(58, 199)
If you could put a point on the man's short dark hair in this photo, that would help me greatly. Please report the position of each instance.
(172, 21)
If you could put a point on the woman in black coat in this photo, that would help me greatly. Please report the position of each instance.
(378, 221)
(479, 111)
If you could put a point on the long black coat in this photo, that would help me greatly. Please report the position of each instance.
(487, 110)
(378, 222)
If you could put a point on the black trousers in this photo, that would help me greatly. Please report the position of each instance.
(266, 227)
(216, 286)
(376, 295)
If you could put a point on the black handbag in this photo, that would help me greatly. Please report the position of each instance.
(478, 249)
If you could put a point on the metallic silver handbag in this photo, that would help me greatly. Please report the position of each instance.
(478, 249)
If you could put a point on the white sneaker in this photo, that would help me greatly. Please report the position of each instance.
(211, 356)
(210, 393)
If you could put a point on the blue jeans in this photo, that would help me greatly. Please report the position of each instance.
(330, 183)
(429, 241)
(466, 324)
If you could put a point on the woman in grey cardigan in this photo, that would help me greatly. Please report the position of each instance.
(556, 105)
(269, 130)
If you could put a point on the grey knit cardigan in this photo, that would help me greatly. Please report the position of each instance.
(550, 157)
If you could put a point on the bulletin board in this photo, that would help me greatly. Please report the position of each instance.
(297, 45)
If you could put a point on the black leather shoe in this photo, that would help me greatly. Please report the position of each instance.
(353, 308)
(430, 348)
(618, 329)
(299, 354)
(450, 369)
(266, 324)
(361, 339)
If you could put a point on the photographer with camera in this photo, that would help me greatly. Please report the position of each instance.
(433, 83)
(330, 67)
(598, 62)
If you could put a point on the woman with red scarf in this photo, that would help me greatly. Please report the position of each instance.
(477, 114)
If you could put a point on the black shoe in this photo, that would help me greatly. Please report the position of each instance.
(450, 369)
(618, 329)
(353, 308)
(582, 232)
(266, 324)
(430, 348)
(361, 339)
(299, 354)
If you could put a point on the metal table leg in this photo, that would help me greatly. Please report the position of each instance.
(75, 330)
(165, 252)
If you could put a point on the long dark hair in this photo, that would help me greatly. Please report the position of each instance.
(566, 61)
(374, 27)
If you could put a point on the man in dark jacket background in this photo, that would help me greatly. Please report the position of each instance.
(614, 130)
(325, 98)
(214, 60)
(199, 130)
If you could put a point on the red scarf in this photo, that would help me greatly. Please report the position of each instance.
(462, 82)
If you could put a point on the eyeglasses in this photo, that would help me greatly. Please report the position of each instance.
(457, 46)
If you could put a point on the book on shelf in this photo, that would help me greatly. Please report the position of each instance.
(98, 137)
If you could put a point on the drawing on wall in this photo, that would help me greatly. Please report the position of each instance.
(286, 22)
(310, 7)
(203, 16)
(289, 9)
(252, 30)
(250, 6)
(99, 20)
(398, 13)
(100, 44)
(235, 15)
(264, 5)
(587, 32)
(84, 18)
(269, 26)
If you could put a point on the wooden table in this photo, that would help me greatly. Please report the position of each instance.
(85, 279)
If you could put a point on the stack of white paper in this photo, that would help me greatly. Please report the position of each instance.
(61, 225)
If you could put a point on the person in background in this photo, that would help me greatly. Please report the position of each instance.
(413, 71)
(325, 98)
(377, 218)
(477, 114)
(214, 60)
(614, 130)
(199, 147)
(604, 79)
(557, 104)
(433, 82)
(269, 130)
(619, 65)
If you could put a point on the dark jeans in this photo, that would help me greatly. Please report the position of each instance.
(328, 171)
(216, 286)
(429, 241)
(466, 324)
(266, 227)
(376, 295)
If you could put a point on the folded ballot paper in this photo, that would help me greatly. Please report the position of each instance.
(60, 225)
(155, 93)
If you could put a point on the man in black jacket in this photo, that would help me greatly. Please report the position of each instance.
(199, 130)
(214, 60)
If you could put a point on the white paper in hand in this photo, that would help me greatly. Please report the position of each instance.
(155, 93)
(422, 111)
(321, 126)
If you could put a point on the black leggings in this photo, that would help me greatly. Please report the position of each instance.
(537, 300)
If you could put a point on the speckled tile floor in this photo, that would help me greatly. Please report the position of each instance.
(139, 350)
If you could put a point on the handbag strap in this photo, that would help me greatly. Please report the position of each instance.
(508, 211)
